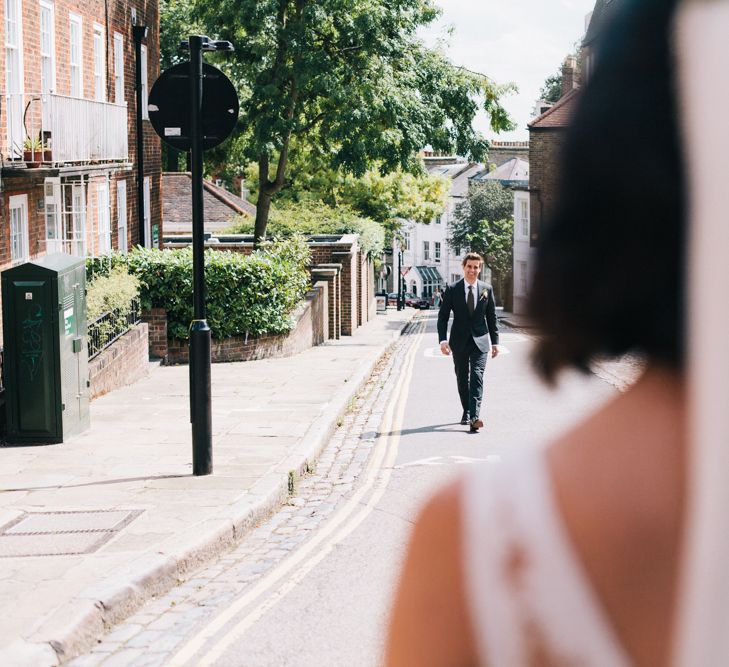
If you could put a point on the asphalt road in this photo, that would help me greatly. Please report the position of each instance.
(337, 615)
(313, 587)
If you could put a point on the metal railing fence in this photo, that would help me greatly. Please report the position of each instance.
(110, 326)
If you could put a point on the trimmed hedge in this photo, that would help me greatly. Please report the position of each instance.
(246, 295)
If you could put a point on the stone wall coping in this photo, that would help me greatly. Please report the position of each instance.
(237, 240)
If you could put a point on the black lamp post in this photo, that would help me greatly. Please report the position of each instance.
(139, 33)
(400, 299)
(200, 335)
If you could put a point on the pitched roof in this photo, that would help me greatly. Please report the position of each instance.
(559, 115)
(512, 172)
(601, 16)
(221, 206)
(458, 172)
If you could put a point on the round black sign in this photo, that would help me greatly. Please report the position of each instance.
(169, 106)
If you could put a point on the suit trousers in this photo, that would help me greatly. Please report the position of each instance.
(470, 364)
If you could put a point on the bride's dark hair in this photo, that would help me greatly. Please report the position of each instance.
(610, 261)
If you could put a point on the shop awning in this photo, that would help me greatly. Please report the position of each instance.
(430, 274)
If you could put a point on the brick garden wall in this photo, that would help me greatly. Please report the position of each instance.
(121, 364)
(310, 330)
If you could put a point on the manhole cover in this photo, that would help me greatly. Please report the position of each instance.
(62, 533)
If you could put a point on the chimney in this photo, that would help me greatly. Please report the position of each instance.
(569, 75)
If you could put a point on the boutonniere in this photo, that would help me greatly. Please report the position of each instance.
(484, 295)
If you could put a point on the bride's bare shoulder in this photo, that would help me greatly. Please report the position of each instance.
(619, 483)
(635, 445)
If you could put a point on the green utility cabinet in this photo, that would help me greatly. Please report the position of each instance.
(46, 358)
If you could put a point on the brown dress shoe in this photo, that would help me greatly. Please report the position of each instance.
(476, 424)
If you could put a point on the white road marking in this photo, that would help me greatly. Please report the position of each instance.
(430, 461)
(491, 458)
(510, 337)
(435, 353)
(446, 460)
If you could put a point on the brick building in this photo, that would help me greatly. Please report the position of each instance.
(68, 181)
(533, 205)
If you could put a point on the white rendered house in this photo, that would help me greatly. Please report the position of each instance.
(427, 260)
(524, 253)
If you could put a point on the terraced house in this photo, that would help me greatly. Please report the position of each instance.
(68, 128)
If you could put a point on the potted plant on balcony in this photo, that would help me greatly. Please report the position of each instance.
(33, 152)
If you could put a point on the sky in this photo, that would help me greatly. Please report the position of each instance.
(519, 41)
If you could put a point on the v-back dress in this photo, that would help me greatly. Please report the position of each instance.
(529, 597)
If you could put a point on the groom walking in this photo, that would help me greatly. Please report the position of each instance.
(473, 332)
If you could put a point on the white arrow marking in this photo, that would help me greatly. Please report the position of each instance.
(430, 461)
(491, 458)
(435, 353)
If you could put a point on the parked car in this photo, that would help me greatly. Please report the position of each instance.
(417, 301)
(392, 299)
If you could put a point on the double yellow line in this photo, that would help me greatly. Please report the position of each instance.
(294, 569)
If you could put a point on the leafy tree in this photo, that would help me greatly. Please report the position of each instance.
(175, 25)
(309, 217)
(552, 89)
(484, 223)
(349, 77)
(387, 198)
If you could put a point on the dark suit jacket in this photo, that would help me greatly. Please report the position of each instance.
(482, 326)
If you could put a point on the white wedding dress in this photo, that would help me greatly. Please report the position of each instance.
(530, 600)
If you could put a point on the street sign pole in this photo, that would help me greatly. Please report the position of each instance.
(175, 111)
(200, 370)
(399, 280)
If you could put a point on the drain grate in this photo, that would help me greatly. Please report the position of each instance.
(62, 533)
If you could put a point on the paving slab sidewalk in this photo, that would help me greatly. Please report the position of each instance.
(93, 527)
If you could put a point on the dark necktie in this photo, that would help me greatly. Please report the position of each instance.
(470, 302)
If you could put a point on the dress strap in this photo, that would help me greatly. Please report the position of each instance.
(530, 600)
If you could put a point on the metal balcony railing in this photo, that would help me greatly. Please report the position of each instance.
(53, 129)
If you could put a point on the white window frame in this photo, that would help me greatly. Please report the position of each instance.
(406, 241)
(77, 236)
(14, 75)
(437, 251)
(118, 68)
(103, 218)
(121, 215)
(99, 63)
(147, 219)
(50, 55)
(145, 84)
(524, 215)
(523, 277)
(76, 60)
(19, 237)
(438, 219)
(52, 206)
(426, 250)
